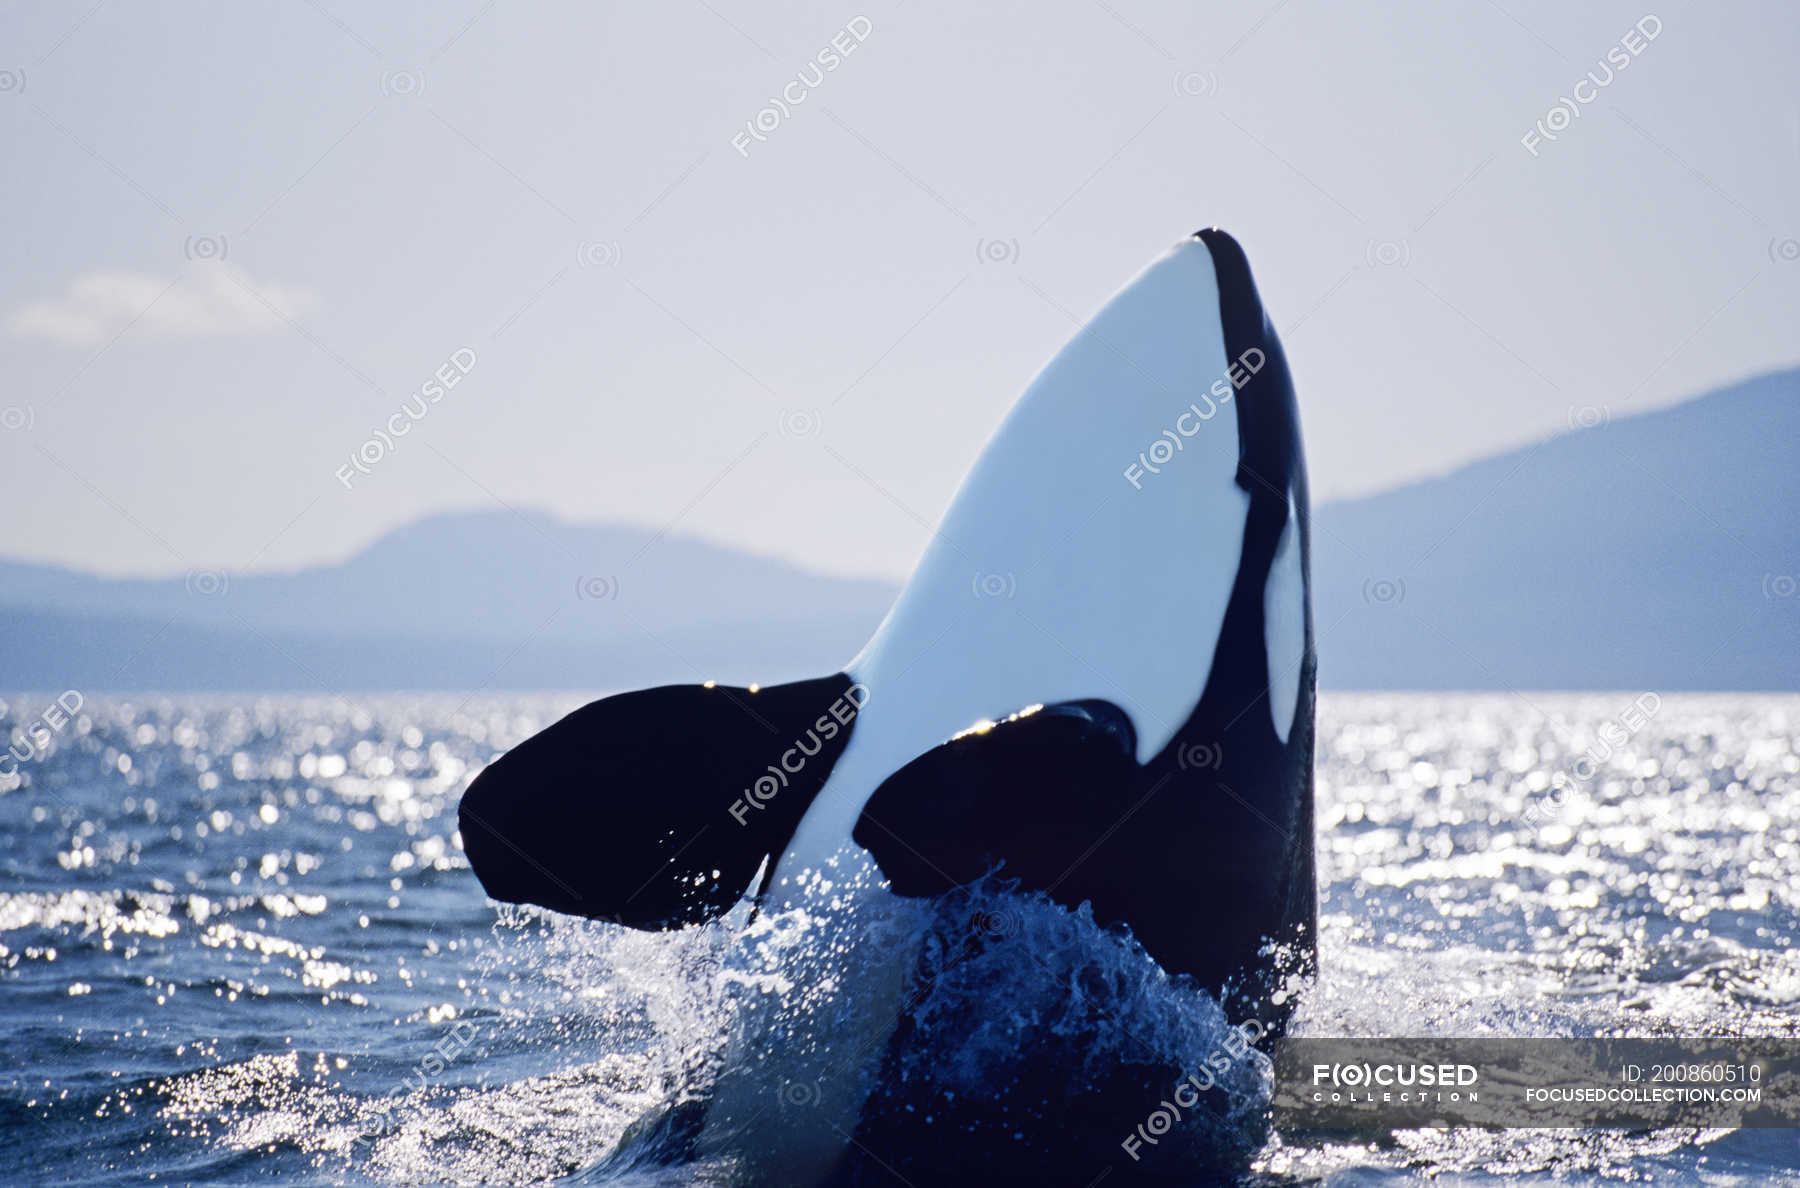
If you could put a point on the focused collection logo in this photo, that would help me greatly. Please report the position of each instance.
(1406, 1083)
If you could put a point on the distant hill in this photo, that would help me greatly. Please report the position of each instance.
(479, 600)
(1653, 552)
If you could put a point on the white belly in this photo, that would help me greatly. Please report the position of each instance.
(1053, 577)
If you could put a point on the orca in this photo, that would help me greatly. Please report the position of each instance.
(1097, 687)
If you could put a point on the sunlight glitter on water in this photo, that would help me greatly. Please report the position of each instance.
(239, 939)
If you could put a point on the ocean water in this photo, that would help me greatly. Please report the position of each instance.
(238, 942)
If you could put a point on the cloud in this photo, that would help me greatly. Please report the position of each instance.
(216, 300)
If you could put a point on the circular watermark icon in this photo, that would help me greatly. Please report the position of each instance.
(1589, 416)
(800, 1094)
(1384, 591)
(597, 589)
(799, 422)
(208, 583)
(206, 247)
(597, 254)
(1196, 84)
(1387, 253)
(997, 922)
(995, 585)
(1200, 757)
(997, 251)
(401, 83)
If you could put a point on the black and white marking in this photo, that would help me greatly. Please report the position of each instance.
(1125, 719)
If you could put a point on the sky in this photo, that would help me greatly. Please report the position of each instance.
(243, 236)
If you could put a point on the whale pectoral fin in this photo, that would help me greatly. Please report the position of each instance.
(1028, 795)
(645, 808)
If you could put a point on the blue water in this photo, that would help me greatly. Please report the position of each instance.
(238, 941)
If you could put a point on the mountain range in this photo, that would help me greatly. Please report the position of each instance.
(1653, 552)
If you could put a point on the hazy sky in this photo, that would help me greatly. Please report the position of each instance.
(799, 343)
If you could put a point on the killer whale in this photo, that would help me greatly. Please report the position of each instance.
(1099, 682)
